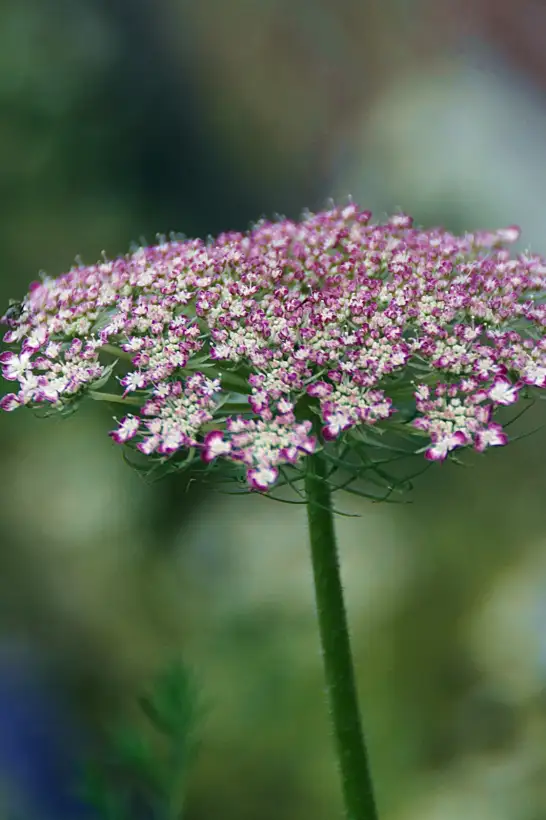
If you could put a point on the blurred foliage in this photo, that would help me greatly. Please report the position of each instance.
(144, 767)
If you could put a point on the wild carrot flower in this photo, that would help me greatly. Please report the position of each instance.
(261, 348)
(293, 353)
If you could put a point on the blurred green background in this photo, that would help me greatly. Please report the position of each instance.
(125, 118)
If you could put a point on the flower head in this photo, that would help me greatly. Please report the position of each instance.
(260, 348)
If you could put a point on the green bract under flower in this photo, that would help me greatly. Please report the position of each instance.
(260, 348)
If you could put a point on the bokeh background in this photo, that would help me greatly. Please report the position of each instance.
(120, 119)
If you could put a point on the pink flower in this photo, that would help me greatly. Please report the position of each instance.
(149, 445)
(337, 422)
(492, 436)
(13, 367)
(171, 440)
(214, 445)
(534, 374)
(442, 446)
(285, 407)
(10, 402)
(35, 340)
(502, 391)
(306, 330)
(262, 478)
(49, 389)
(511, 234)
(319, 390)
(128, 428)
(132, 382)
(401, 221)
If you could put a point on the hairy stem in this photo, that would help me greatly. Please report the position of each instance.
(334, 635)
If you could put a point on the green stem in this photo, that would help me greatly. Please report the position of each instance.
(115, 398)
(116, 351)
(334, 635)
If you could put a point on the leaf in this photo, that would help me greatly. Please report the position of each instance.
(171, 706)
(105, 378)
(132, 750)
(143, 770)
(103, 319)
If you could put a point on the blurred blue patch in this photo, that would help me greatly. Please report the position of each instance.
(39, 750)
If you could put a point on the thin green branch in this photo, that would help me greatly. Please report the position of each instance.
(112, 350)
(115, 398)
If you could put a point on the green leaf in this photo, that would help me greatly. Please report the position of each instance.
(105, 378)
(171, 706)
(132, 750)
